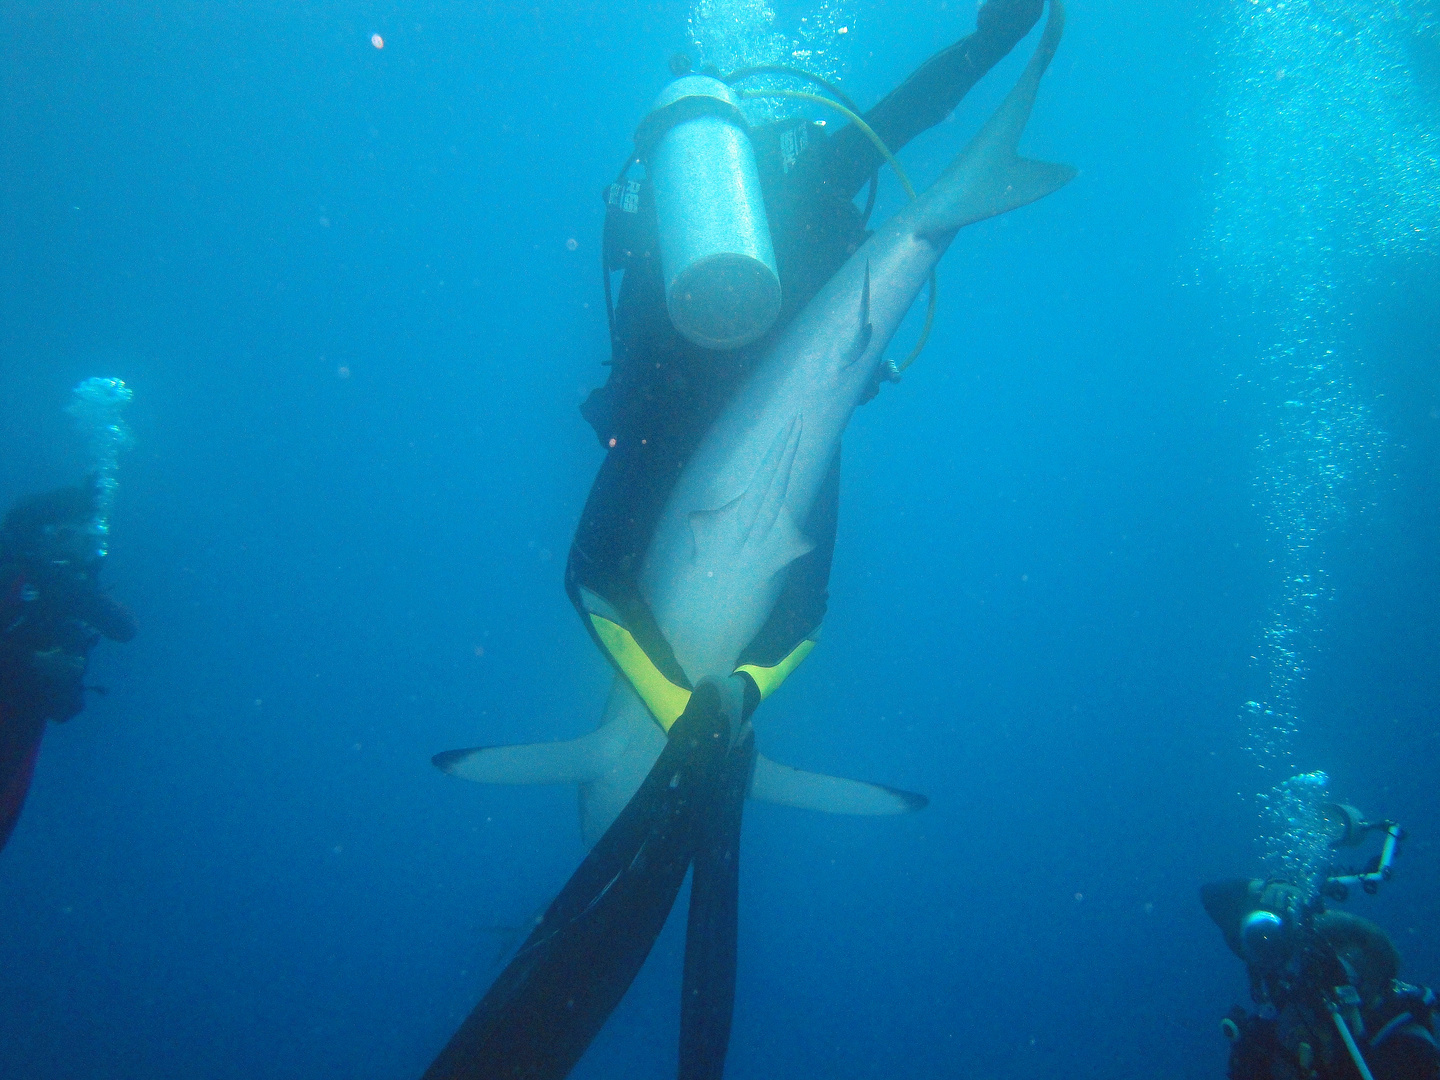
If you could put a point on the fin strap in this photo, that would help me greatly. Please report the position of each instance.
(665, 700)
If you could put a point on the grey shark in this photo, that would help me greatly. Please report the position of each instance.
(717, 561)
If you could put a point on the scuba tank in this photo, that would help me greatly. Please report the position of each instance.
(721, 286)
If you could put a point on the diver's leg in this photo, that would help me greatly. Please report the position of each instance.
(552, 999)
(707, 997)
(20, 735)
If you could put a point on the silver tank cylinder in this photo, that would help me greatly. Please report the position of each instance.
(721, 285)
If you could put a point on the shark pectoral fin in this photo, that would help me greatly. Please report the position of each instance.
(756, 523)
(715, 531)
(988, 177)
(575, 762)
(787, 786)
(785, 544)
(543, 1011)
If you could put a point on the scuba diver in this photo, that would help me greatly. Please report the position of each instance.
(1330, 1003)
(692, 319)
(731, 233)
(52, 609)
(52, 613)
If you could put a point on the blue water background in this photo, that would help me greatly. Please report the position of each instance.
(1049, 583)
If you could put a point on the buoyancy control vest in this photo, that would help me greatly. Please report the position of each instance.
(1394, 1033)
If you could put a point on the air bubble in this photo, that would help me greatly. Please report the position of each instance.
(735, 34)
(1326, 173)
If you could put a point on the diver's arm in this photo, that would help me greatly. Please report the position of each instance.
(929, 95)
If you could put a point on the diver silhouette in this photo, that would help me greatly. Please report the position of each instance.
(52, 614)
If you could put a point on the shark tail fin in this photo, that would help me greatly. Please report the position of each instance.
(787, 786)
(575, 762)
(989, 177)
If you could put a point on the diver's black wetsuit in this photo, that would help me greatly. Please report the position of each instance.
(52, 613)
(664, 392)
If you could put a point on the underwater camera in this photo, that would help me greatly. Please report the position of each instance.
(1349, 829)
(1276, 928)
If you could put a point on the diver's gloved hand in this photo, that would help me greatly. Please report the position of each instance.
(1008, 18)
(1284, 899)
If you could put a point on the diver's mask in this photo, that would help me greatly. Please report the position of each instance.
(1270, 932)
(1266, 939)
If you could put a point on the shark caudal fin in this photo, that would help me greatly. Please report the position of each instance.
(776, 783)
(989, 177)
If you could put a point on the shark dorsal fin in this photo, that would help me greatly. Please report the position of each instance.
(865, 301)
(865, 330)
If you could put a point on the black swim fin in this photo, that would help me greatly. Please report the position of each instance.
(707, 997)
(550, 1002)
